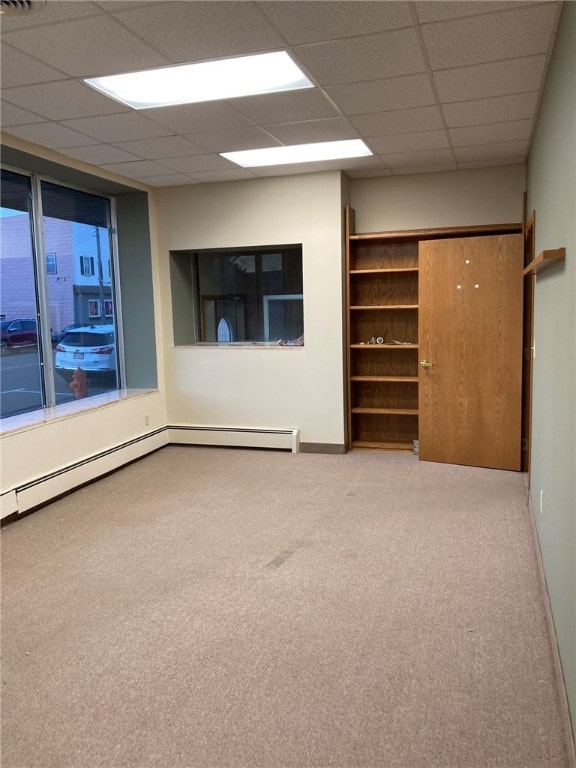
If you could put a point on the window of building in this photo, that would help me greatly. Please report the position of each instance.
(238, 296)
(40, 299)
(51, 266)
(87, 266)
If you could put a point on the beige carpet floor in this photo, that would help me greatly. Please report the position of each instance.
(211, 608)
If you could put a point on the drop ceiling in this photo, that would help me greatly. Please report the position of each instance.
(429, 86)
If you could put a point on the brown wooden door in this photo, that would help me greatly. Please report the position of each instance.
(470, 334)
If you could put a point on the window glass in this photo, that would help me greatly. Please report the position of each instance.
(76, 232)
(68, 284)
(249, 295)
(21, 382)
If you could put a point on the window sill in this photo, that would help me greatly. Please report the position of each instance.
(238, 345)
(40, 417)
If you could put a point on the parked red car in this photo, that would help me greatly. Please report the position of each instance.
(17, 334)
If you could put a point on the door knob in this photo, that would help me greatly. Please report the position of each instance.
(426, 364)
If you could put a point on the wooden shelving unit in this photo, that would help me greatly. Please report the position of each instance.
(382, 308)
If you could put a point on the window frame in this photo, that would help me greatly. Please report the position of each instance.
(51, 259)
(46, 358)
(194, 312)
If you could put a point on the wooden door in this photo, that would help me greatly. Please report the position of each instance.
(470, 346)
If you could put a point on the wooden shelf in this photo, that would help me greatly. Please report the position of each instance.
(382, 302)
(382, 271)
(436, 233)
(382, 446)
(413, 379)
(383, 346)
(544, 259)
(387, 411)
(385, 306)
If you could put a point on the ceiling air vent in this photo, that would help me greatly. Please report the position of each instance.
(19, 7)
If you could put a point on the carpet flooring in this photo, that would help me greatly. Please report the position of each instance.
(230, 608)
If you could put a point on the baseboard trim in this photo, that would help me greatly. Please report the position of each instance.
(43, 489)
(568, 726)
(332, 448)
(240, 437)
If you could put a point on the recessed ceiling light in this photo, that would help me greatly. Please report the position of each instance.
(299, 153)
(204, 81)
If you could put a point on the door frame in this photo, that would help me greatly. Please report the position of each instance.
(528, 342)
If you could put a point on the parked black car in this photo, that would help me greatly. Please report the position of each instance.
(17, 334)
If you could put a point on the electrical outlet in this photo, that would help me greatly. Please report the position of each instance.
(146, 420)
(541, 502)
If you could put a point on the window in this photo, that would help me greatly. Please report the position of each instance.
(109, 308)
(42, 297)
(93, 308)
(238, 296)
(51, 267)
(87, 266)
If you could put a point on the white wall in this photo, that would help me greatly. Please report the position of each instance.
(450, 199)
(262, 387)
(552, 194)
(40, 450)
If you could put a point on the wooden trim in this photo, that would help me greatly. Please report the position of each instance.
(422, 234)
(332, 448)
(544, 259)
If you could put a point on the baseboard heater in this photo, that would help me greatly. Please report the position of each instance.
(239, 437)
(50, 486)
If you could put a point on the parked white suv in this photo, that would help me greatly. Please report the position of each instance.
(89, 347)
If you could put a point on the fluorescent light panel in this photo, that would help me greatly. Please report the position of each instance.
(204, 81)
(298, 153)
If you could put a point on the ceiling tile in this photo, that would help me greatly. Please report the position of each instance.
(101, 154)
(137, 169)
(354, 164)
(232, 141)
(450, 9)
(431, 157)
(331, 129)
(190, 164)
(274, 108)
(399, 121)
(232, 174)
(506, 150)
(405, 170)
(51, 135)
(115, 128)
(52, 12)
(12, 115)
(480, 39)
(408, 142)
(491, 163)
(193, 31)
(308, 22)
(63, 100)
(364, 173)
(383, 95)
(20, 69)
(197, 118)
(497, 110)
(85, 39)
(112, 6)
(285, 170)
(370, 57)
(169, 180)
(486, 80)
(165, 146)
(517, 130)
